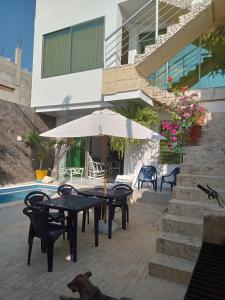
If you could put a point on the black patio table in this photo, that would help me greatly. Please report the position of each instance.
(74, 204)
(109, 195)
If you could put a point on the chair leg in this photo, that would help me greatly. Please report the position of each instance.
(102, 212)
(156, 185)
(113, 212)
(161, 186)
(29, 250)
(88, 218)
(63, 224)
(127, 211)
(171, 187)
(50, 248)
(43, 246)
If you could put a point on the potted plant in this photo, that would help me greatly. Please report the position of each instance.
(40, 148)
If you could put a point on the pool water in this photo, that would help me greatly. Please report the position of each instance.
(19, 193)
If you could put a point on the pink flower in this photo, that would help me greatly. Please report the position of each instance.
(174, 138)
(173, 131)
(184, 99)
(201, 109)
(187, 115)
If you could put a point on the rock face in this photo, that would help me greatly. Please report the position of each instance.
(15, 157)
(178, 245)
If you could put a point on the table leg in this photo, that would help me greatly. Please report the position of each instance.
(84, 220)
(105, 210)
(73, 236)
(96, 219)
(110, 218)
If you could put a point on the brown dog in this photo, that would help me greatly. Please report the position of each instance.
(86, 289)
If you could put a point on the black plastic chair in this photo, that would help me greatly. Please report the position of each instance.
(33, 198)
(147, 174)
(170, 178)
(41, 228)
(122, 203)
(67, 190)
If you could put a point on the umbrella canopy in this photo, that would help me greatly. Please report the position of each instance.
(100, 123)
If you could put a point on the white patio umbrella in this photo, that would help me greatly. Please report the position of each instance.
(103, 123)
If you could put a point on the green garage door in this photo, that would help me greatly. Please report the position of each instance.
(76, 156)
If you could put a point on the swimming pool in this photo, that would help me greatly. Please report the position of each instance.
(19, 193)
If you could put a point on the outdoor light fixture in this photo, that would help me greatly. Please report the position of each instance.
(19, 138)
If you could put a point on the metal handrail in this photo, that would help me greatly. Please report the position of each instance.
(177, 72)
(141, 16)
(117, 45)
(128, 20)
(171, 16)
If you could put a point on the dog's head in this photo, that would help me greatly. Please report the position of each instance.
(79, 282)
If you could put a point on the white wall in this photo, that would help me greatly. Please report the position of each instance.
(146, 154)
(52, 15)
(139, 155)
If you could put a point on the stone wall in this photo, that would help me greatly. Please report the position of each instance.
(15, 157)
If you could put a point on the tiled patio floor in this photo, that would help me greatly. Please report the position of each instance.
(119, 266)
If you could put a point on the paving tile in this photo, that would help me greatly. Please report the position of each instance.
(119, 266)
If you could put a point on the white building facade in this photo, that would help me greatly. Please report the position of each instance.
(92, 54)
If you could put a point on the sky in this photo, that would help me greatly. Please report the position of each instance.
(17, 28)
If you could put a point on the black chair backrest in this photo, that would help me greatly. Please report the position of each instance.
(147, 173)
(39, 220)
(176, 171)
(122, 186)
(34, 197)
(66, 190)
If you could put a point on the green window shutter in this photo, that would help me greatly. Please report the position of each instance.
(56, 53)
(87, 46)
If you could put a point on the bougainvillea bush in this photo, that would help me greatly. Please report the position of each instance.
(184, 113)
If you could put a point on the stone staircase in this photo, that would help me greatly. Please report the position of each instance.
(178, 245)
(189, 27)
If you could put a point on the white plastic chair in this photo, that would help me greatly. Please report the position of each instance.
(96, 169)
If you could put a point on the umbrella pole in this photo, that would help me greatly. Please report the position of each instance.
(105, 175)
(105, 161)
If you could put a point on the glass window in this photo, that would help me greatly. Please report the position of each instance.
(87, 46)
(75, 49)
(195, 66)
(56, 53)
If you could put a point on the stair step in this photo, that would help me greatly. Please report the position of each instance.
(194, 169)
(193, 194)
(187, 226)
(211, 139)
(218, 124)
(171, 268)
(216, 182)
(192, 209)
(186, 247)
(182, 5)
(206, 149)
